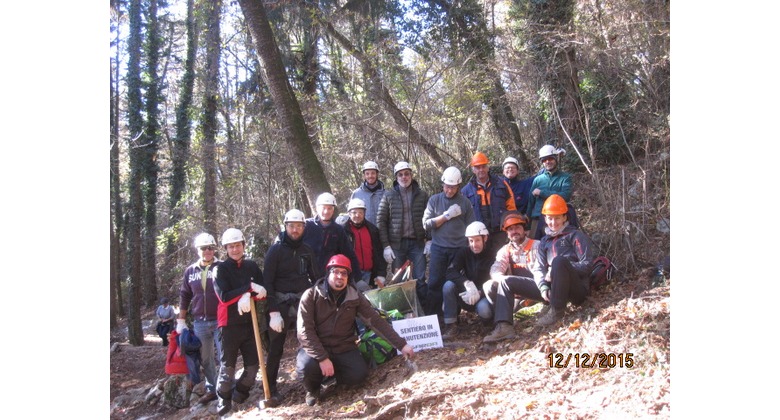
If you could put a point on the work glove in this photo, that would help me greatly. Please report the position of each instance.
(277, 323)
(260, 290)
(379, 281)
(180, 326)
(243, 303)
(389, 256)
(471, 295)
(453, 211)
(427, 249)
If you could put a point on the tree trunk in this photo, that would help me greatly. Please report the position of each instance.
(136, 124)
(181, 144)
(151, 145)
(287, 107)
(209, 117)
(380, 92)
(470, 24)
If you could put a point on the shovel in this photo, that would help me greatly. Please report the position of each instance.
(259, 345)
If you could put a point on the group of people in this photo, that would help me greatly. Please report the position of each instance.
(473, 242)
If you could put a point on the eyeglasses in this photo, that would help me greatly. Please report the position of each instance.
(208, 248)
(403, 174)
(339, 273)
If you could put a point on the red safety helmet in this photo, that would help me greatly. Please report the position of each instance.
(339, 260)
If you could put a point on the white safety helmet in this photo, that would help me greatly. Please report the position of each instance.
(204, 239)
(476, 229)
(401, 166)
(294, 215)
(231, 236)
(356, 203)
(451, 176)
(548, 150)
(326, 198)
(370, 165)
(511, 160)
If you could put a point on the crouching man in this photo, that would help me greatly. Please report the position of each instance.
(326, 330)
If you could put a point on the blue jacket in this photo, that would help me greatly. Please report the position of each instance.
(521, 188)
(498, 193)
(327, 241)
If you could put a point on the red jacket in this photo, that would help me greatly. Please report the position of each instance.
(176, 362)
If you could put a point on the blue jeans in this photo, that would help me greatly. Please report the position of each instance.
(411, 249)
(207, 332)
(453, 304)
(365, 281)
(441, 257)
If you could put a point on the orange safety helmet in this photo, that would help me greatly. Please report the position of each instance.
(512, 218)
(339, 260)
(554, 205)
(479, 159)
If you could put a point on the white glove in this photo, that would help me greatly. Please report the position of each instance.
(389, 256)
(277, 323)
(260, 290)
(243, 303)
(453, 211)
(471, 295)
(427, 249)
(180, 326)
(380, 281)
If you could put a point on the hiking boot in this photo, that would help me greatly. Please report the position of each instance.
(311, 397)
(207, 398)
(503, 331)
(223, 405)
(550, 317)
(239, 396)
(450, 331)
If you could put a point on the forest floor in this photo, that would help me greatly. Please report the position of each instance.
(469, 379)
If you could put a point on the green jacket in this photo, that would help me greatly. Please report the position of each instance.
(557, 182)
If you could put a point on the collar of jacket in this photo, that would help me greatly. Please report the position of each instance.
(321, 287)
(379, 186)
(414, 186)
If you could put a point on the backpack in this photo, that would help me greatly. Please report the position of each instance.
(375, 349)
(601, 272)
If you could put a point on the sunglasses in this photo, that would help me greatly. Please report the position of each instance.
(208, 248)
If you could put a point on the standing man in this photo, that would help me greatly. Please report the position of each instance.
(197, 297)
(511, 275)
(469, 270)
(364, 237)
(446, 217)
(565, 259)
(490, 197)
(370, 191)
(551, 181)
(521, 188)
(326, 331)
(399, 220)
(236, 280)
(289, 270)
(326, 237)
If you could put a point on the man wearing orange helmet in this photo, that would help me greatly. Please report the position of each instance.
(551, 181)
(511, 275)
(326, 331)
(490, 198)
(564, 261)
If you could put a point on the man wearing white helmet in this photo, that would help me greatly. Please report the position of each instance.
(446, 217)
(399, 220)
(197, 298)
(364, 237)
(237, 281)
(326, 237)
(551, 181)
(370, 191)
(469, 270)
(289, 269)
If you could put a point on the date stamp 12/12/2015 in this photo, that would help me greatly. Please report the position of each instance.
(591, 360)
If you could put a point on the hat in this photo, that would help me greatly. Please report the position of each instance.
(163, 301)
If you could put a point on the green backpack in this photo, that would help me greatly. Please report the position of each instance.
(375, 349)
